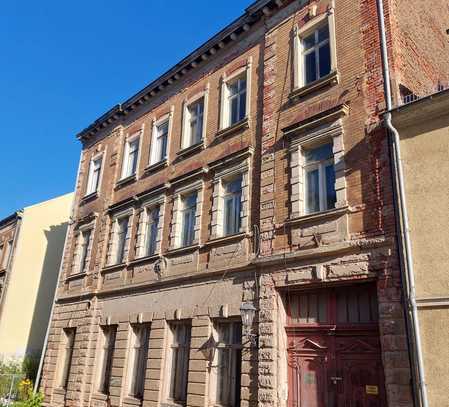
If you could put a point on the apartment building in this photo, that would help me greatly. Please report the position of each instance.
(31, 246)
(423, 127)
(234, 235)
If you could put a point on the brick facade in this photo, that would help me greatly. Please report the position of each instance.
(279, 250)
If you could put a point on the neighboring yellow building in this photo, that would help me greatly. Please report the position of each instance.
(31, 247)
(423, 127)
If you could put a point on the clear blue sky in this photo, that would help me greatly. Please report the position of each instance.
(64, 63)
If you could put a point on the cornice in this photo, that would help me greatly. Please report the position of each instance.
(254, 13)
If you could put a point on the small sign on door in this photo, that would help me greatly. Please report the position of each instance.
(372, 390)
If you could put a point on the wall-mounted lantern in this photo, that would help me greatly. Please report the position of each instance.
(248, 312)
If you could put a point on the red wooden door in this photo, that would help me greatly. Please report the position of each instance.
(333, 350)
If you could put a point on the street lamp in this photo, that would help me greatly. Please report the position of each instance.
(248, 312)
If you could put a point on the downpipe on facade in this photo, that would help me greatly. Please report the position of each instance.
(404, 227)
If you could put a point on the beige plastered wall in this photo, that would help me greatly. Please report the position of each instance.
(425, 150)
(33, 275)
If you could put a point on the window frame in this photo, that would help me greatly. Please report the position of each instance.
(105, 358)
(187, 237)
(137, 360)
(6, 254)
(173, 344)
(157, 123)
(234, 350)
(66, 356)
(90, 190)
(299, 33)
(80, 255)
(226, 81)
(186, 138)
(125, 173)
(231, 196)
(111, 252)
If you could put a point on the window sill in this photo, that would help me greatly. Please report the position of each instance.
(329, 80)
(76, 276)
(89, 197)
(236, 127)
(145, 259)
(156, 166)
(113, 267)
(226, 239)
(125, 181)
(172, 404)
(135, 401)
(100, 396)
(190, 150)
(59, 390)
(317, 216)
(180, 250)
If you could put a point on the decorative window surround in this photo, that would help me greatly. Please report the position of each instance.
(67, 343)
(298, 65)
(244, 73)
(105, 355)
(222, 176)
(186, 142)
(176, 225)
(130, 166)
(328, 132)
(95, 175)
(143, 225)
(112, 253)
(83, 240)
(156, 154)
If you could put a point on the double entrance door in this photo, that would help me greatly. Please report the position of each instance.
(334, 355)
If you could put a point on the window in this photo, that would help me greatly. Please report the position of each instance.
(108, 334)
(160, 141)
(194, 122)
(232, 198)
(226, 371)
(82, 250)
(93, 180)
(137, 360)
(178, 362)
(119, 241)
(319, 179)
(2, 259)
(152, 230)
(7, 250)
(68, 341)
(130, 158)
(316, 54)
(188, 219)
(236, 100)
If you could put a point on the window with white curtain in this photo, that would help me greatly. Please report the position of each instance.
(160, 142)
(194, 122)
(130, 157)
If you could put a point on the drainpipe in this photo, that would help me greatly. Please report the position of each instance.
(47, 333)
(404, 226)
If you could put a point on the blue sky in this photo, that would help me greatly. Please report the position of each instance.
(64, 63)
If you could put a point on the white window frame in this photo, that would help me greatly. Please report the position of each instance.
(142, 239)
(171, 374)
(67, 346)
(108, 334)
(242, 169)
(79, 253)
(177, 212)
(112, 252)
(300, 33)
(125, 172)
(137, 360)
(225, 197)
(331, 133)
(186, 133)
(157, 123)
(91, 187)
(224, 102)
(234, 358)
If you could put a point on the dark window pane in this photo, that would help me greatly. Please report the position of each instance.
(234, 111)
(308, 42)
(242, 107)
(325, 60)
(312, 193)
(323, 33)
(330, 186)
(310, 68)
(321, 153)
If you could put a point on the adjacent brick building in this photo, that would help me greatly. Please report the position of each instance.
(255, 172)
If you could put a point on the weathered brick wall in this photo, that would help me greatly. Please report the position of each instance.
(420, 44)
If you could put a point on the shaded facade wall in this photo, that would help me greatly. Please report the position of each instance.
(424, 131)
(33, 275)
